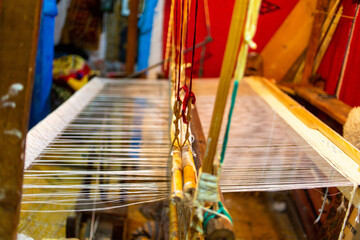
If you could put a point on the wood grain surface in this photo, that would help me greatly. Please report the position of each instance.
(19, 25)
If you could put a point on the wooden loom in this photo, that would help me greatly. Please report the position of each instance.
(198, 145)
(294, 108)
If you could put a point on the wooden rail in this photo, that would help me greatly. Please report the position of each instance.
(330, 105)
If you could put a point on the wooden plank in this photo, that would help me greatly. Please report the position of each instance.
(295, 73)
(289, 41)
(314, 41)
(131, 44)
(330, 105)
(19, 25)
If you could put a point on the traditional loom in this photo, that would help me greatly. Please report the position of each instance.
(110, 151)
(116, 143)
(129, 167)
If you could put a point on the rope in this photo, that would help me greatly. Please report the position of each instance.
(177, 114)
(180, 53)
(189, 95)
(321, 210)
(226, 137)
(193, 47)
(347, 212)
(222, 212)
(347, 52)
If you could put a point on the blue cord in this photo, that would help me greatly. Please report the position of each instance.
(233, 98)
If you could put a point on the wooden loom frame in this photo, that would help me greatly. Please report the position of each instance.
(30, 28)
(313, 122)
(289, 103)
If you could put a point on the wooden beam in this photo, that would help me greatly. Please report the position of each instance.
(131, 44)
(289, 41)
(330, 105)
(314, 41)
(19, 25)
(217, 228)
(227, 70)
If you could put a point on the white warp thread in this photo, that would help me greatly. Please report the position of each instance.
(39, 137)
(270, 149)
(321, 144)
(105, 148)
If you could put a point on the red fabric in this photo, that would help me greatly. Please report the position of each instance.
(350, 90)
(331, 65)
(220, 17)
(270, 22)
(74, 73)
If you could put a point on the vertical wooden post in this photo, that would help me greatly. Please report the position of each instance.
(314, 41)
(131, 44)
(227, 70)
(19, 26)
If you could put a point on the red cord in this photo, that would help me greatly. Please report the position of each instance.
(189, 95)
(193, 47)
(180, 52)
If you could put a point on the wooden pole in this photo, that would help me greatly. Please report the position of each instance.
(131, 45)
(19, 26)
(347, 52)
(217, 228)
(227, 70)
(314, 41)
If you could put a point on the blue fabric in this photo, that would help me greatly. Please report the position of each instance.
(145, 25)
(40, 105)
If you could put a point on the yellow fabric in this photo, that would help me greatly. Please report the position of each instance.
(76, 84)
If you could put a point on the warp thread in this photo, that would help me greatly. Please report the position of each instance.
(347, 212)
(321, 210)
(357, 219)
(342, 205)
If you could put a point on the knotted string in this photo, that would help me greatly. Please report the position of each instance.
(177, 114)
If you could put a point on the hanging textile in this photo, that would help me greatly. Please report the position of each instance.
(40, 105)
(83, 24)
(145, 25)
